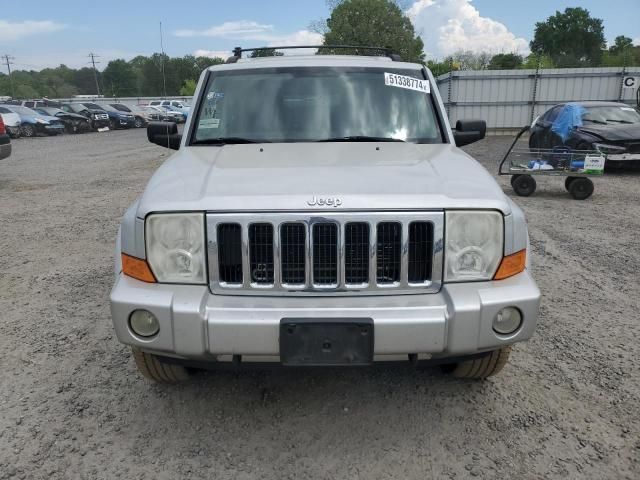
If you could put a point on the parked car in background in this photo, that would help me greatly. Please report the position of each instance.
(11, 122)
(175, 115)
(45, 102)
(73, 122)
(34, 123)
(155, 113)
(5, 141)
(140, 119)
(98, 117)
(176, 104)
(610, 127)
(117, 119)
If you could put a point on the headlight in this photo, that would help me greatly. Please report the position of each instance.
(175, 247)
(610, 149)
(474, 245)
(41, 121)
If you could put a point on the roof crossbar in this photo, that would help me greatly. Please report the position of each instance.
(387, 51)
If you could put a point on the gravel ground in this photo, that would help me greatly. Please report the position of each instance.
(73, 406)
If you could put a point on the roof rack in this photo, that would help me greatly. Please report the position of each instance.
(387, 51)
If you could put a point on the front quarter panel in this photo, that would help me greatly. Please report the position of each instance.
(132, 232)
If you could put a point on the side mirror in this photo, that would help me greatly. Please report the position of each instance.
(469, 131)
(164, 134)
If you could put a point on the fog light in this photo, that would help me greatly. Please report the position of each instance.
(144, 323)
(507, 320)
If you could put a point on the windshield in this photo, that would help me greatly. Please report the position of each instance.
(315, 104)
(93, 106)
(120, 107)
(23, 110)
(611, 115)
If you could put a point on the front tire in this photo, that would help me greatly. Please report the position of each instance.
(28, 130)
(484, 367)
(524, 185)
(581, 188)
(151, 367)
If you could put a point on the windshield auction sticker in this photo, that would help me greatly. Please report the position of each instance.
(410, 83)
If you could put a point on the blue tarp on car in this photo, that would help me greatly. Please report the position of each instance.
(568, 118)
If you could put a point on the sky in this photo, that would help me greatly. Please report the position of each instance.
(42, 33)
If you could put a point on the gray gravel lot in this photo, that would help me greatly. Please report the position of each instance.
(73, 406)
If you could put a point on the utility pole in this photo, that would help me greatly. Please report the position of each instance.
(8, 62)
(95, 72)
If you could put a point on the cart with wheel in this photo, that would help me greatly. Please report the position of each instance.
(523, 163)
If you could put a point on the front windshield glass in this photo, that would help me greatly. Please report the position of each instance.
(611, 115)
(315, 104)
(23, 110)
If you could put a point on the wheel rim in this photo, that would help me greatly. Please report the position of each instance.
(28, 131)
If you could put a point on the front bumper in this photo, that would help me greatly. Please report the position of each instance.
(127, 122)
(13, 130)
(100, 123)
(624, 157)
(197, 325)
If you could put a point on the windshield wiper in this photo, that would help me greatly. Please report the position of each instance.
(227, 141)
(618, 121)
(360, 138)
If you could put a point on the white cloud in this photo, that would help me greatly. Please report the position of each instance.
(12, 31)
(637, 41)
(301, 37)
(212, 53)
(251, 31)
(448, 26)
(241, 29)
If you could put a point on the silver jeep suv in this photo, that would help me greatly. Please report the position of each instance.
(318, 212)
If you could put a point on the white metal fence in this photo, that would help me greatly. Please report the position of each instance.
(510, 99)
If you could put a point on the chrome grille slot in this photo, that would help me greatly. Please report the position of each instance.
(292, 253)
(389, 241)
(230, 253)
(261, 253)
(420, 251)
(325, 254)
(356, 253)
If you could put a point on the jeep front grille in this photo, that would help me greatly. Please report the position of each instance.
(332, 253)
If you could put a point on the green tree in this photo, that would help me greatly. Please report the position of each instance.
(379, 23)
(119, 79)
(505, 61)
(268, 52)
(188, 88)
(533, 61)
(468, 60)
(571, 39)
(621, 53)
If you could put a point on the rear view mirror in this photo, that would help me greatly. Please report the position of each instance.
(164, 134)
(469, 131)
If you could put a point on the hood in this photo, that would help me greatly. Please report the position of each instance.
(48, 118)
(281, 177)
(73, 116)
(10, 119)
(613, 133)
(33, 118)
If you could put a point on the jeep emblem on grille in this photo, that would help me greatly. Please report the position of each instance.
(321, 202)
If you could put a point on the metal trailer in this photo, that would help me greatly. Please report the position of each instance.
(523, 163)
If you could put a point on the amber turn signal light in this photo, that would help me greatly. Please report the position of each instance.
(137, 268)
(511, 265)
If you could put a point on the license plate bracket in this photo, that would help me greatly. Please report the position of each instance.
(326, 341)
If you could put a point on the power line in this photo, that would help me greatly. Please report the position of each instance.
(95, 72)
(7, 59)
